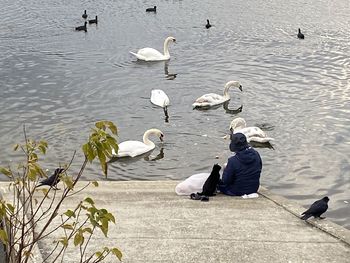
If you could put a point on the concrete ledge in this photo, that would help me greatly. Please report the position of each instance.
(329, 227)
(156, 225)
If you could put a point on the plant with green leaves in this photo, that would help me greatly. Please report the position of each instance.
(36, 212)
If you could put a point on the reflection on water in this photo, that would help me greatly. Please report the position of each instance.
(231, 111)
(59, 82)
(166, 114)
(146, 156)
(224, 105)
(261, 145)
(159, 156)
(265, 126)
(168, 76)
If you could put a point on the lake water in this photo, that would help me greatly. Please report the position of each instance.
(59, 82)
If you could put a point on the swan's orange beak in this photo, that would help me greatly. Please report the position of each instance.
(174, 40)
(161, 137)
(240, 88)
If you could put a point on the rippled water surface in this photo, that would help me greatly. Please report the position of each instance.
(59, 82)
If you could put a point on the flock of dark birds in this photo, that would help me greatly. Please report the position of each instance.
(315, 210)
(154, 10)
(84, 27)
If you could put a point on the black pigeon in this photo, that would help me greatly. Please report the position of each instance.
(300, 35)
(84, 15)
(154, 9)
(208, 25)
(82, 28)
(53, 180)
(93, 21)
(316, 209)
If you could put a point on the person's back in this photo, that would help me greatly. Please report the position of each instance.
(242, 173)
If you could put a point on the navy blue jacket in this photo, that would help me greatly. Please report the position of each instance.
(242, 173)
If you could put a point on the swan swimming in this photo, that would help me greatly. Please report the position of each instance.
(253, 134)
(212, 99)
(135, 148)
(159, 98)
(150, 54)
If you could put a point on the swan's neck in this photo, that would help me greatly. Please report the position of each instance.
(166, 47)
(226, 95)
(146, 140)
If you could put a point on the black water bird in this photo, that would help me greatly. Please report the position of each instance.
(170, 76)
(53, 180)
(84, 15)
(93, 21)
(152, 9)
(82, 28)
(300, 35)
(208, 25)
(316, 209)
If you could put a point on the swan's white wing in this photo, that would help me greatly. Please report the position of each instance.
(132, 148)
(254, 134)
(259, 139)
(210, 99)
(150, 54)
(159, 98)
(138, 56)
(252, 131)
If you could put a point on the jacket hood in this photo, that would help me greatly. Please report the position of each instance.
(246, 156)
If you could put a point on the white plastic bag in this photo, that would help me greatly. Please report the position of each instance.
(192, 184)
(253, 195)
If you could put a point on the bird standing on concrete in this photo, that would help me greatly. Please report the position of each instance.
(208, 25)
(316, 209)
(300, 35)
(53, 180)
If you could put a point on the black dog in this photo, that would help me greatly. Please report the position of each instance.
(209, 187)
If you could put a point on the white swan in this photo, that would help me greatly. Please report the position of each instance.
(135, 148)
(212, 99)
(253, 134)
(159, 98)
(150, 54)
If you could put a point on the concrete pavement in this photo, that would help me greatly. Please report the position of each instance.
(155, 225)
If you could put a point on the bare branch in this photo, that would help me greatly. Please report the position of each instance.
(88, 240)
(81, 189)
(53, 250)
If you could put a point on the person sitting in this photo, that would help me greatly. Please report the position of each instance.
(242, 172)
